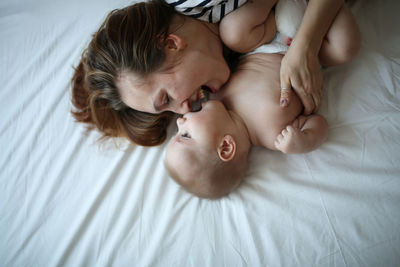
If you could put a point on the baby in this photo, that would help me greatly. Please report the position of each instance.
(208, 155)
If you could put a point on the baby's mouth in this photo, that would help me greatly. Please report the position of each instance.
(203, 95)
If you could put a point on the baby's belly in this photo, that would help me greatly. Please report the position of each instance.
(267, 117)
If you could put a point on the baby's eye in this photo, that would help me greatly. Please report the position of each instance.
(185, 135)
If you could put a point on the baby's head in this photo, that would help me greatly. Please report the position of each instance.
(208, 155)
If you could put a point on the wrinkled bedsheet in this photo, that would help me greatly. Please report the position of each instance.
(68, 200)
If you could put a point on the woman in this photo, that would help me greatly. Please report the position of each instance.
(147, 61)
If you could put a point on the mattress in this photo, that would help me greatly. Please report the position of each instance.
(67, 199)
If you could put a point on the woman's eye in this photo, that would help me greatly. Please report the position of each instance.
(185, 135)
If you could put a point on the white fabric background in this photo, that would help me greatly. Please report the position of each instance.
(66, 200)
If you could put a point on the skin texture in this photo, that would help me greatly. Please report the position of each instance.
(252, 108)
(264, 118)
(264, 121)
(208, 155)
(328, 35)
(176, 85)
(249, 26)
(300, 69)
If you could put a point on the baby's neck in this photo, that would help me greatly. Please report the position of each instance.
(228, 99)
(241, 127)
(223, 95)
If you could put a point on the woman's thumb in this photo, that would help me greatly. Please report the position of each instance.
(286, 89)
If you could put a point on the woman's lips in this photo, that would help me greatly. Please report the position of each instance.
(212, 89)
(201, 96)
(209, 88)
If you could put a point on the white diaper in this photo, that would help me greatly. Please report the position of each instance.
(288, 17)
(274, 47)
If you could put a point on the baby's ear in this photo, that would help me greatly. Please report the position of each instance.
(174, 42)
(227, 148)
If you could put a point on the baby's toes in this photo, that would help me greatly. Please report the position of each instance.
(277, 144)
(284, 132)
(296, 123)
(279, 138)
(290, 130)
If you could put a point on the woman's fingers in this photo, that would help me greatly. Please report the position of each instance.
(316, 88)
(301, 85)
(303, 77)
(310, 90)
(285, 96)
(285, 91)
(308, 102)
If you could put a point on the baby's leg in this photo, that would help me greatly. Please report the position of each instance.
(249, 26)
(342, 41)
(305, 134)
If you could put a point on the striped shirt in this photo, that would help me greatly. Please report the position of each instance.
(207, 10)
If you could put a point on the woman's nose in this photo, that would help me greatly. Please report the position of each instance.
(185, 107)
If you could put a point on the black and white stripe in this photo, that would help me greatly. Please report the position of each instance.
(208, 10)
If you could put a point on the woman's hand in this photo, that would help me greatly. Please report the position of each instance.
(301, 71)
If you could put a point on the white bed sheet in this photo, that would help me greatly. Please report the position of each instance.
(65, 200)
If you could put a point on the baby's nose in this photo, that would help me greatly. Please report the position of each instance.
(180, 121)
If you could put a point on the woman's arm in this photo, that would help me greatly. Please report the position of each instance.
(300, 68)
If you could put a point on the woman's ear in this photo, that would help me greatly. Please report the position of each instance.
(174, 42)
(227, 148)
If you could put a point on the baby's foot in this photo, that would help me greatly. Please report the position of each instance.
(292, 139)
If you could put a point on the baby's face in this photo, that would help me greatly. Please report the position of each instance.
(202, 129)
(199, 134)
(192, 154)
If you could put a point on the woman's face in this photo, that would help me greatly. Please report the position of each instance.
(195, 53)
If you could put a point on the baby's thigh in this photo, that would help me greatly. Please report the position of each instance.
(246, 17)
(344, 26)
(343, 38)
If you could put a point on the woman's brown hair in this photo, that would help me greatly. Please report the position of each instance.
(128, 40)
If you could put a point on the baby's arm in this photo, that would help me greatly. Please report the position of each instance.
(305, 134)
(249, 26)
